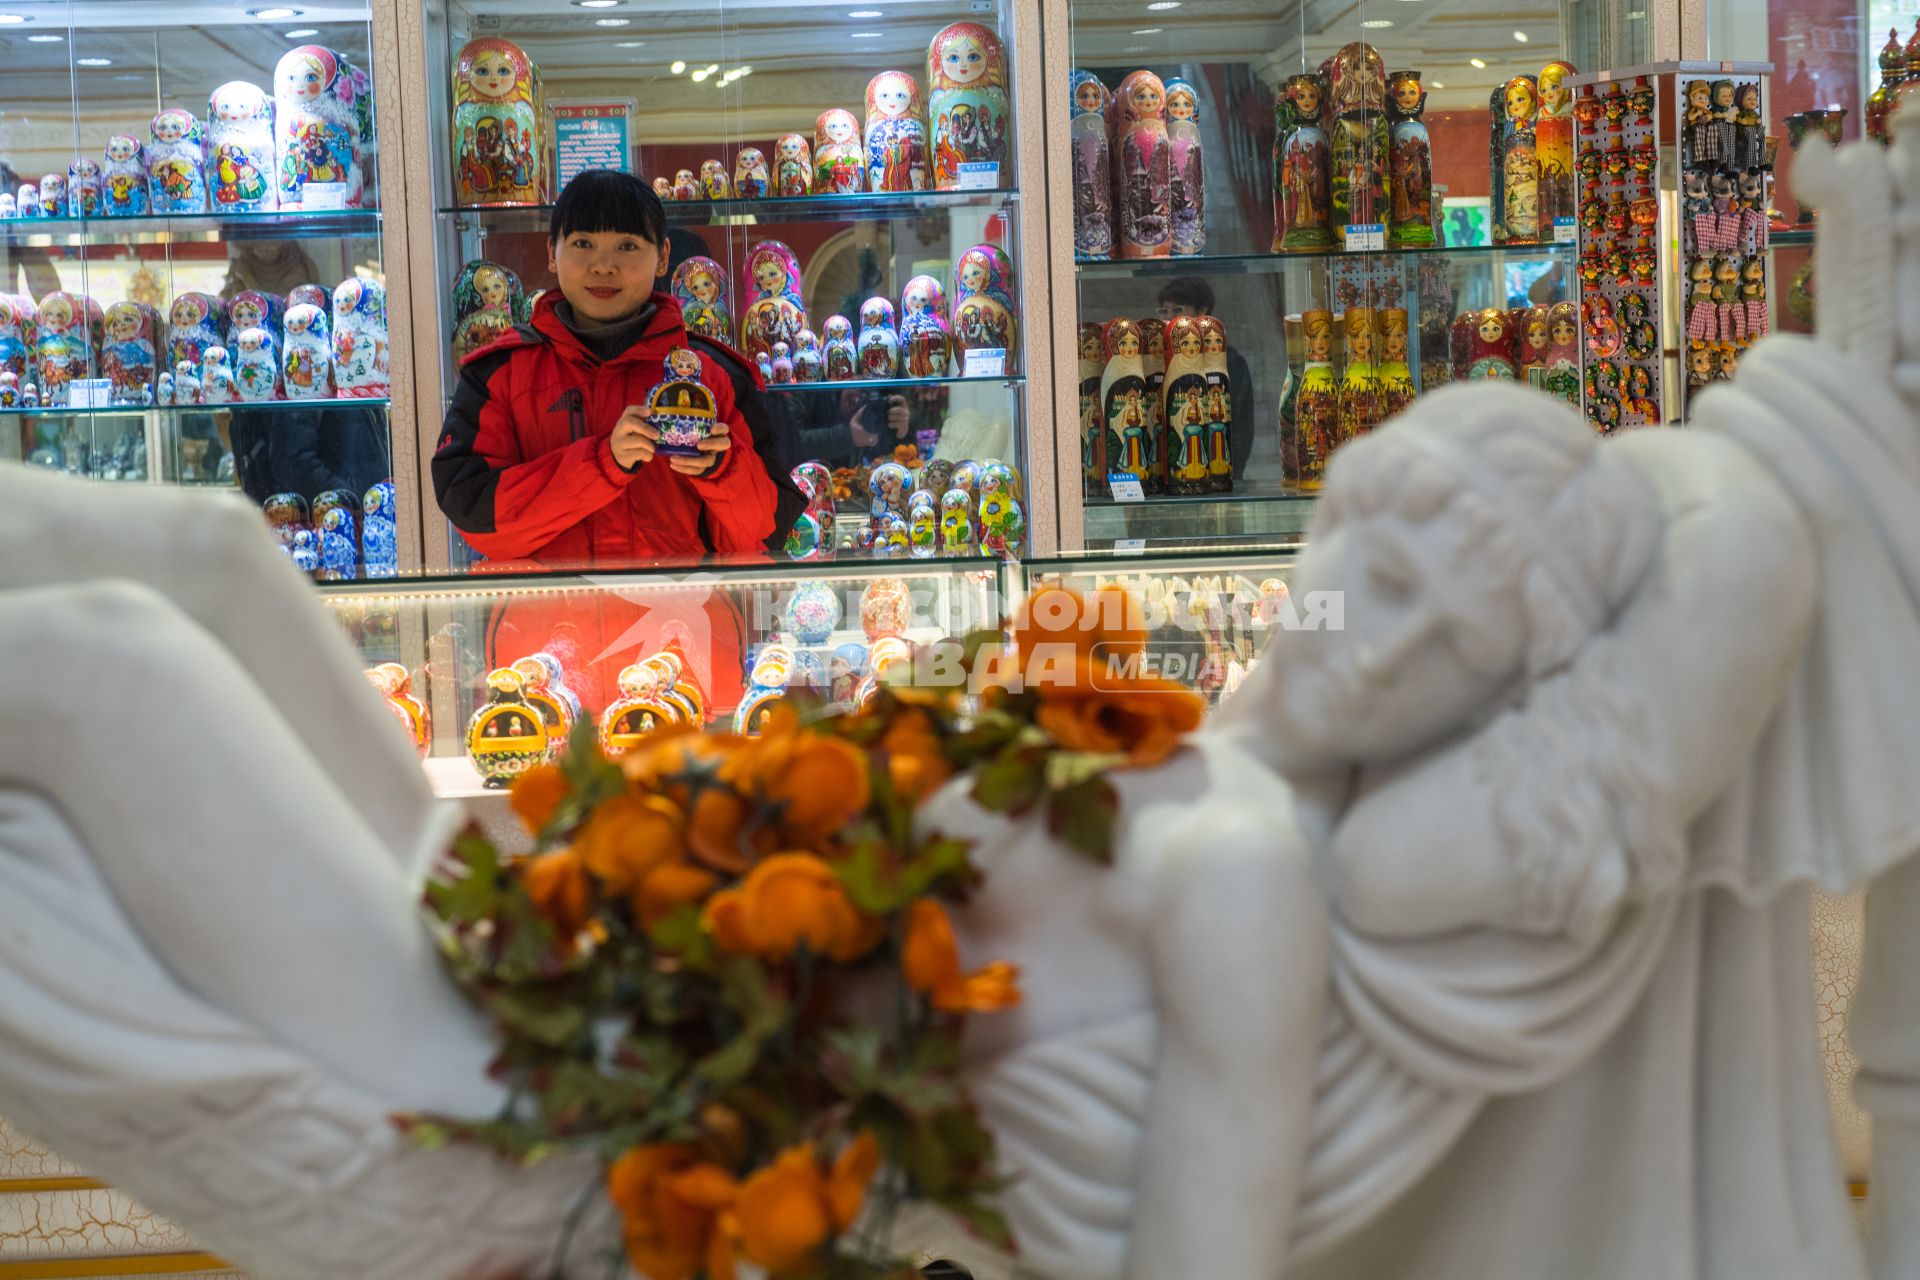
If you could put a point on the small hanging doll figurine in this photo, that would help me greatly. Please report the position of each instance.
(1702, 140)
(841, 359)
(774, 311)
(1092, 168)
(925, 343)
(176, 182)
(360, 339)
(1153, 353)
(808, 364)
(714, 183)
(895, 137)
(1303, 186)
(1553, 144)
(1410, 163)
(130, 357)
(1142, 166)
(1749, 127)
(256, 366)
(1186, 169)
(317, 125)
(1316, 407)
(1360, 139)
(1360, 392)
(793, 165)
(1184, 407)
(1519, 192)
(308, 362)
(700, 286)
(217, 385)
(968, 108)
(83, 188)
(1123, 402)
(1753, 295)
(1093, 428)
(685, 185)
(1396, 377)
(123, 178)
(983, 314)
(1725, 111)
(195, 322)
(1730, 319)
(681, 406)
(494, 86)
(750, 174)
(240, 148)
(838, 167)
(879, 342)
(486, 305)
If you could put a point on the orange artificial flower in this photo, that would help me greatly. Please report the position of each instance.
(915, 764)
(670, 1202)
(930, 958)
(787, 901)
(628, 836)
(853, 1170)
(537, 794)
(714, 824)
(557, 882)
(1097, 711)
(1110, 622)
(818, 784)
(787, 1210)
(667, 888)
(725, 917)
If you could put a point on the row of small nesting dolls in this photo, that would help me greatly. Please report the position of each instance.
(1139, 183)
(1538, 344)
(1328, 410)
(1156, 404)
(339, 536)
(1350, 149)
(1531, 154)
(964, 508)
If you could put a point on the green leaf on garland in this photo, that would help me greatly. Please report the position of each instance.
(1083, 816)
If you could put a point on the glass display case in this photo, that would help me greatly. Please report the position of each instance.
(194, 262)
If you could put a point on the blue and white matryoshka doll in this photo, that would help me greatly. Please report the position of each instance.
(240, 148)
(360, 339)
(130, 355)
(316, 127)
(123, 178)
(176, 180)
(879, 347)
(379, 531)
(956, 523)
(195, 322)
(254, 309)
(186, 384)
(812, 612)
(256, 367)
(772, 670)
(8, 208)
(217, 384)
(17, 335)
(307, 365)
(83, 188)
(339, 546)
(28, 200)
(303, 548)
(53, 196)
(889, 485)
(69, 328)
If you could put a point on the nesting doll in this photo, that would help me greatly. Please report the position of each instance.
(240, 148)
(1186, 173)
(1093, 428)
(129, 357)
(9, 208)
(17, 339)
(714, 183)
(887, 487)
(956, 523)
(681, 406)
(841, 358)
(968, 107)
(1518, 192)
(360, 340)
(923, 525)
(1213, 360)
(685, 185)
(1316, 405)
(506, 737)
(1553, 145)
(1184, 400)
(700, 286)
(1303, 209)
(839, 168)
(1142, 167)
(1153, 338)
(496, 125)
(895, 136)
(251, 309)
(1002, 524)
(750, 174)
(1357, 100)
(256, 366)
(83, 188)
(53, 196)
(1490, 346)
(780, 365)
(176, 182)
(123, 178)
(1092, 168)
(1409, 164)
(307, 362)
(311, 294)
(1396, 376)
(808, 364)
(792, 165)
(1563, 353)
(663, 188)
(774, 310)
(1123, 402)
(486, 304)
(316, 122)
(879, 341)
(69, 331)
(983, 315)
(926, 345)
(1360, 390)
(217, 385)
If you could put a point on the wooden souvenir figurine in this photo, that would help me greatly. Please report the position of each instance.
(681, 407)
(808, 364)
(1184, 407)
(842, 360)
(879, 342)
(1360, 390)
(1316, 406)
(70, 328)
(968, 108)
(1092, 168)
(195, 322)
(1357, 101)
(895, 137)
(53, 196)
(1563, 353)
(360, 339)
(544, 684)
(123, 178)
(18, 337)
(506, 736)
(983, 312)
(83, 188)
(637, 712)
(395, 686)
(839, 168)
(217, 385)
(250, 309)
(1396, 377)
(256, 366)
(714, 183)
(1490, 350)
(1123, 403)
(1186, 170)
(497, 141)
(663, 188)
(792, 165)
(750, 174)
(176, 182)
(1536, 341)
(1519, 191)
(1213, 360)
(1410, 163)
(956, 523)
(1303, 196)
(1142, 166)
(1153, 351)
(780, 366)
(774, 311)
(308, 360)
(486, 304)
(240, 154)
(318, 117)
(1093, 423)
(129, 359)
(1553, 145)
(686, 186)
(700, 286)
(925, 342)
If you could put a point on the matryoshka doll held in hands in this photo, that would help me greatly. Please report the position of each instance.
(176, 182)
(316, 123)
(700, 286)
(775, 311)
(360, 339)
(895, 136)
(1186, 169)
(967, 106)
(494, 92)
(1142, 167)
(486, 299)
(240, 154)
(839, 168)
(1092, 168)
(983, 315)
(926, 345)
(681, 407)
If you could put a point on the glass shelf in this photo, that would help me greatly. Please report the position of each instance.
(163, 228)
(899, 384)
(1252, 263)
(1228, 520)
(136, 410)
(1799, 237)
(839, 208)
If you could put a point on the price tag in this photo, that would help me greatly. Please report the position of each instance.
(89, 393)
(1129, 546)
(1126, 488)
(985, 362)
(1366, 235)
(1565, 231)
(323, 196)
(979, 175)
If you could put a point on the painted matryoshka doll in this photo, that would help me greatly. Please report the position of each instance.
(360, 339)
(685, 185)
(1303, 198)
(1093, 425)
(983, 316)
(52, 199)
(888, 486)
(69, 329)
(395, 686)
(1563, 353)
(1316, 407)
(1184, 406)
(774, 668)
(256, 366)
(1123, 402)
(1213, 360)
(240, 148)
(83, 188)
(379, 536)
(129, 358)
(251, 309)
(506, 736)
(879, 342)
(1553, 145)
(956, 523)
(1396, 376)
(1186, 169)
(311, 294)
(1357, 102)
(895, 136)
(1490, 346)
(1092, 168)
(1142, 167)
(1360, 390)
(216, 377)
(1410, 164)
(486, 304)
(195, 323)
(750, 174)
(176, 182)
(808, 364)
(317, 124)
(841, 358)
(9, 208)
(926, 345)
(308, 360)
(682, 407)
(123, 178)
(780, 366)
(923, 525)
(775, 311)
(1518, 193)
(544, 684)
(1153, 351)
(839, 168)
(700, 286)
(967, 106)
(339, 546)
(663, 187)
(714, 183)
(17, 339)
(792, 165)
(496, 125)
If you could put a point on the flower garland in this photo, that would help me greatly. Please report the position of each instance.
(728, 967)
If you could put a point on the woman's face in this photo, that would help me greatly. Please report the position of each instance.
(963, 61)
(493, 74)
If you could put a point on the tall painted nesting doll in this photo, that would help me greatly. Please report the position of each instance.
(1563, 353)
(792, 165)
(496, 125)
(896, 134)
(1396, 375)
(1184, 401)
(1553, 145)
(17, 340)
(878, 346)
(1316, 407)
(307, 367)
(70, 328)
(1303, 200)
(1153, 350)
(1142, 166)
(1360, 390)
(1213, 361)
(839, 167)
(1092, 168)
(1123, 402)
(1093, 423)
(1410, 164)
(240, 148)
(750, 180)
(774, 310)
(1186, 171)
(837, 353)
(317, 119)
(1357, 102)
(83, 188)
(123, 178)
(967, 106)
(195, 322)
(1518, 192)
(700, 285)
(175, 179)
(983, 314)
(129, 359)
(360, 339)
(486, 303)
(926, 343)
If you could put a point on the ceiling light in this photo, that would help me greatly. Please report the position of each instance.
(1521, 36)
(1149, 31)
(866, 13)
(1159, 5)
(1377, 24)
(699, 77)
(613, 22)
(1477, 62)
(45, 39)
(868, 35)
(1135, 48)
(633, 44)
(93, 62)
(272, 15)
(1438, 84)
(303, 33)
(677, 67)
(598, 4)
(745, 72)
(712, 67)
(12, 19)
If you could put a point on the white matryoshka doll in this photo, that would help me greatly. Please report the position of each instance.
(176, 182)
(879, 344)
(967, 107)
(307, 365)
(123, 178)
(360, 339)
(70, 327)
(750, 174)
(487, 300)
(8, 207)
(53, 196)
(700, 286)
(316, 124)
(240, 150)
(841, 358)
(129, 358)
(216, 377)
(775, 311)
(926, 345)
(896, 134)
(256, 366)
(83, 188)
(808, 364)
(838, 165)
(792, 165)
(496, 124)
(983, 316)
(16, 339)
